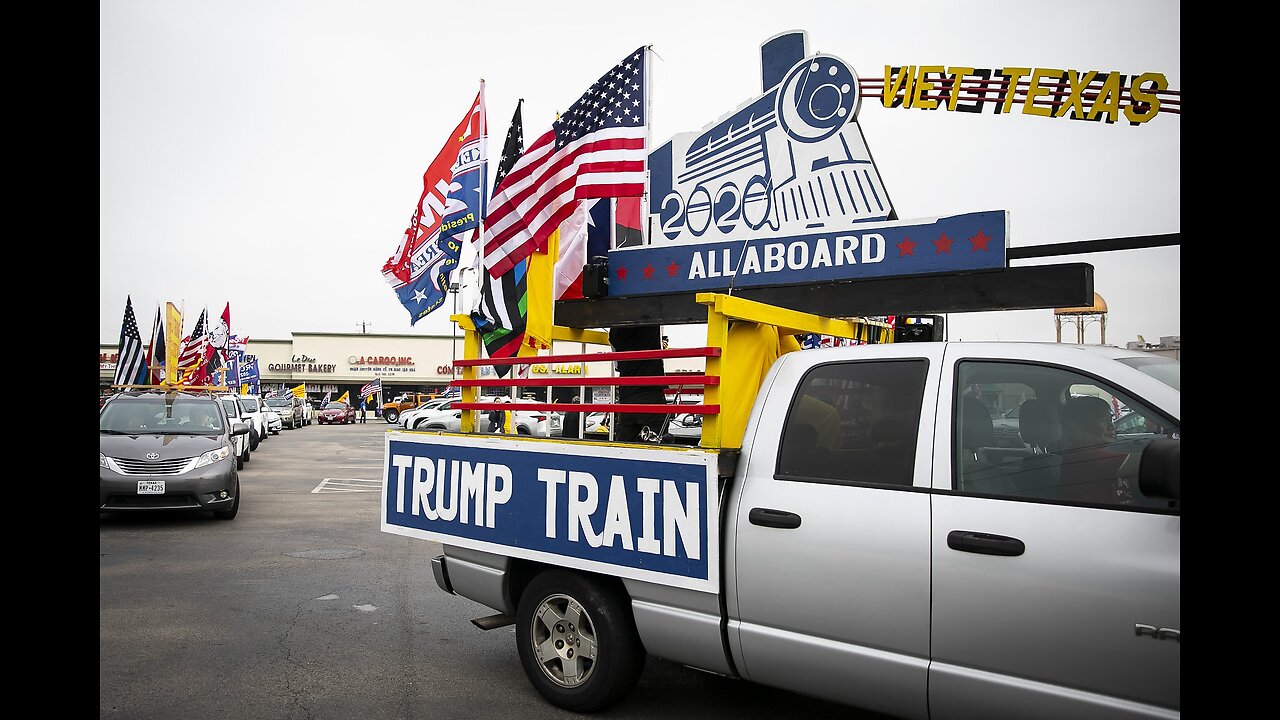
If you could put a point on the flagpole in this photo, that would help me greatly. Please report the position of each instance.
(648, 125)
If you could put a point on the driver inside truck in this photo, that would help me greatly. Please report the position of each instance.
(1090, 471)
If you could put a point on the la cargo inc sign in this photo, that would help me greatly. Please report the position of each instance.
(381, 364)
(641, 513)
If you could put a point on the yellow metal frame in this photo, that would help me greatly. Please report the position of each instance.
(721, 310)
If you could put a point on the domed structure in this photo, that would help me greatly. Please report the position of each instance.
(1082, 316)
(1099, 306)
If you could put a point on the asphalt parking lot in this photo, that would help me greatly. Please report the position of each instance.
(301, 607)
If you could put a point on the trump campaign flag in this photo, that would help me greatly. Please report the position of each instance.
(597, 149)
(449, 211)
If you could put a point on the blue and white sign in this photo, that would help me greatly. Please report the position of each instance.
(787, 162)
(974, 241)
(783, 191)
(643, 513)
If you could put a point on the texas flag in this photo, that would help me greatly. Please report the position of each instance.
(448, 213)
(586, 234)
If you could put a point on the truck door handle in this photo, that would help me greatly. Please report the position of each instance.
(773, 518)
(984, 543)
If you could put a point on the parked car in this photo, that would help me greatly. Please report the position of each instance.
(1131, 424)
(235, 411)
(274, 425)
(596, 426)
(684, 428)
(336, 413)
(289, 408)
(168, 452)
(525, 422)
(257, 418)
(1005, 429)
(406, 418)
(393, 409)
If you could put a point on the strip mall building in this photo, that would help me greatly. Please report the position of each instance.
(335, 363)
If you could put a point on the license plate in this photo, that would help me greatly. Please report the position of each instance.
(150, 487)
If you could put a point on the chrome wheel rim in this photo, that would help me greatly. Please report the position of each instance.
(564, 641)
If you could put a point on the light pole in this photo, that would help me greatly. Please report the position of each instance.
(455, 287)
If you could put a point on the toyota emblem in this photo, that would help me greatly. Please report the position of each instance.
(153, 456)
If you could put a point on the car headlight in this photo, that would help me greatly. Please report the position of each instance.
(214, 456)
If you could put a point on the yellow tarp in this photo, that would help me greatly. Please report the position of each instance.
(749, 352)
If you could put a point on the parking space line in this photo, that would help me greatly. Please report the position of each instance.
(332, 485)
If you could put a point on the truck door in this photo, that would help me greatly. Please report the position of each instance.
(827, 567)
(1055, 581)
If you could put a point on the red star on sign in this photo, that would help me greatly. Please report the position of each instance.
(648, 272)
(943, 244)
(672, 269)
(622, 273)
(906, 247)
(979, 242)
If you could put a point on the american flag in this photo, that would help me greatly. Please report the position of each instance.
(371, 388)
(595, 150)
(191, 358)
(131, 365)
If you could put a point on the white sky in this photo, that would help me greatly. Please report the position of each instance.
(269, 153)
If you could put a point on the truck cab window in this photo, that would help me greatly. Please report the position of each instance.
(1047, 433)
(854, 422)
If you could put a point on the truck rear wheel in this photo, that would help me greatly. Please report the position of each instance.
(577, 641)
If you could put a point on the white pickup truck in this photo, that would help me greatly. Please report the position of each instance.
(870, 543)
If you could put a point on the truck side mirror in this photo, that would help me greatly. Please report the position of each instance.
(1158, 470)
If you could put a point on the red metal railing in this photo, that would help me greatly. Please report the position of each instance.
(665, 381)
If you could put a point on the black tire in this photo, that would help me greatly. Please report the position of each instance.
(239, 462)
(568, 622)
(391, 416)
(235, 507)
(253, 440)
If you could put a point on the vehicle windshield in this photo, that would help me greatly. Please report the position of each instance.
(336, 406)
(1166, 370)
(278, 402)
(152, 416)
(250, 404)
